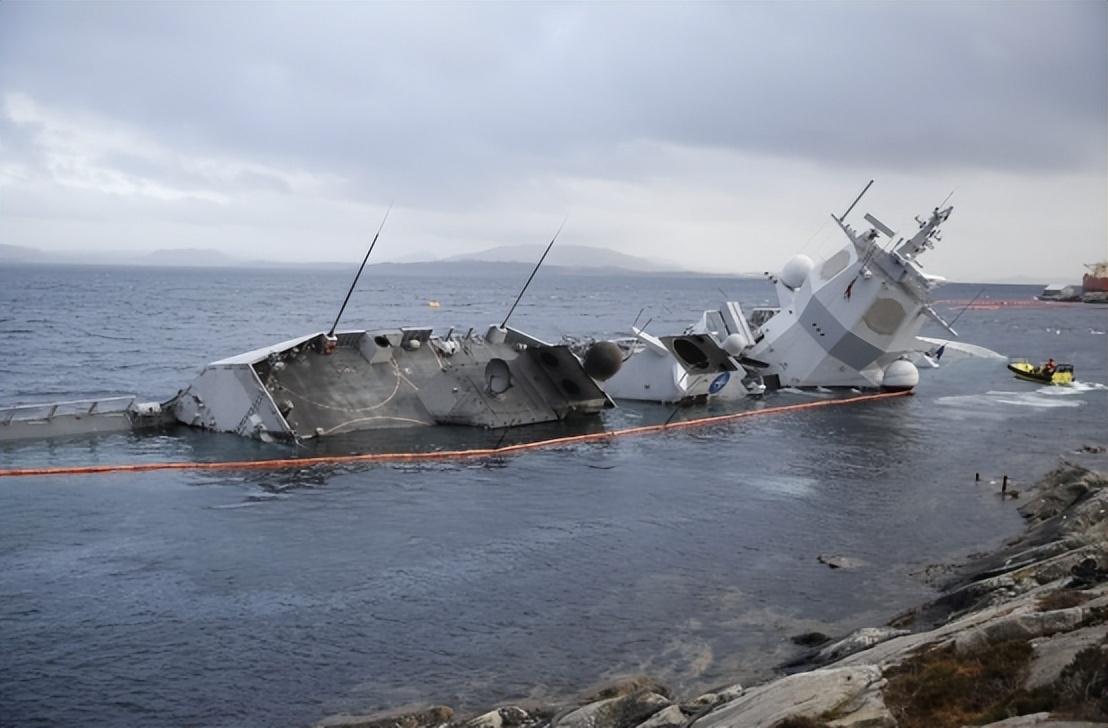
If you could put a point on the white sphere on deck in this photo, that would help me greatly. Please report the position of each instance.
(796, 271)
(900, 376)
(735, 344)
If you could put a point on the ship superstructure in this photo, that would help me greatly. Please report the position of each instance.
(843, 321)
(849, 320)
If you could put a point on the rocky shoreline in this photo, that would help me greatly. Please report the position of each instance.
(1017, 638)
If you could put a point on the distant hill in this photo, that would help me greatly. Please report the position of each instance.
(502, 260)
(200, 257)
(170, 258)
(568, 256)
(500, 269)
(20, 254)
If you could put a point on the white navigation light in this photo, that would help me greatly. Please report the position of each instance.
(796, 271)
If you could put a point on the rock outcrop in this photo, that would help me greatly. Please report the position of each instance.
(420, 717)
(858, 640)
(850, 694)
(625, 711)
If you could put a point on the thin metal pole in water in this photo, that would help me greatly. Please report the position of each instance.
(532, 276)
(955, 320)
(856, 199)
(359, 273)
(966, 307)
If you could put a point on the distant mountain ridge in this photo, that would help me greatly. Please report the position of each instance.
(190, 257)
(569, 257)
(506, 260)
(21, 254)
(197, 257)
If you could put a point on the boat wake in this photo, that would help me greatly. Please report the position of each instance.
(1044, 398)
(1071, 389)
(256, 499)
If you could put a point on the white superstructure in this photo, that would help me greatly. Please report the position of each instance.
(849, 320)
(844, 320)
(677, 369)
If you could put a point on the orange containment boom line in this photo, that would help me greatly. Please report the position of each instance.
(404, 457)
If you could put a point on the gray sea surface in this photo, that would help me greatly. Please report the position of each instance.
(274, 598)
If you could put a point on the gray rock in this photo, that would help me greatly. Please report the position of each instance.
(624, 686)
(670, 717)
(1063, 565)
(418, 717)
(858, 640)
(513, 715)
(507, 716)
(624, 711)
(1021, 625)
(730, 692)
(1052, 654)
(893, 651)
(851, 694)
(491, 719)
(1041, 720)
(703, 701)
(1061, 489)
(809, 639)
(836, 561)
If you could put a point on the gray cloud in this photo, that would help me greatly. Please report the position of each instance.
(449, 89)
(521, 108)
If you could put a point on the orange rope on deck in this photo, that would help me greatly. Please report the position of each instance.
(392, 457)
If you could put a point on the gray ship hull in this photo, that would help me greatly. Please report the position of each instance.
(389, 378)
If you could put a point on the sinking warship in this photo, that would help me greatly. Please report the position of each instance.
(339, 381)
(851, 320)
(322, 384)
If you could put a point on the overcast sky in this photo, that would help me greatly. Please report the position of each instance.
(720, 136)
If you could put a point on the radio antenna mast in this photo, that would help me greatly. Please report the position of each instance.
(532, 276)
(359, 273)
(856, 199)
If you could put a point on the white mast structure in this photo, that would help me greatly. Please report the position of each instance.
(848, 320)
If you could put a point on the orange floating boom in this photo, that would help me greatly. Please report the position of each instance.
(392, 457)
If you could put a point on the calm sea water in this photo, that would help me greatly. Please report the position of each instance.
(224, 599)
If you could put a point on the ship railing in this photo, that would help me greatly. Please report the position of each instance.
(47, 411)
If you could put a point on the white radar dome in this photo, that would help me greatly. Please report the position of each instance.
(796, 271)
(734, 344)
(900, 376)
